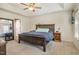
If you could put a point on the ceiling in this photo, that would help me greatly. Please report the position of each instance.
(46, 8)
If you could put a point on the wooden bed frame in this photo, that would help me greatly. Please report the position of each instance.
(38, 40)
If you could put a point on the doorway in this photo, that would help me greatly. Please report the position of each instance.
(17, 28)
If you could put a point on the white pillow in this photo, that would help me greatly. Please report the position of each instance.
(42, 30)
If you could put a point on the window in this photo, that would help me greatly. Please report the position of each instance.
(77, 29)
(5, 26)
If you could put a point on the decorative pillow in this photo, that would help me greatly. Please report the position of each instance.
(42, 30)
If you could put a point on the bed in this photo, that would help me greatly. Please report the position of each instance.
(39, 38)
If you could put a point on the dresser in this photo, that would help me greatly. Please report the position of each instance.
(57, 36)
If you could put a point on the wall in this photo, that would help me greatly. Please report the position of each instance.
(61, 20)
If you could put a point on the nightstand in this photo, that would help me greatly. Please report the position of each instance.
(57, 36)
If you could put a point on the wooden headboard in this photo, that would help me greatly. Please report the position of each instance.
(50, 26)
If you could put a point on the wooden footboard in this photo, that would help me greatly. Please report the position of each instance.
(33, 40)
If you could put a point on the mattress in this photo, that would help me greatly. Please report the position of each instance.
(48, 36)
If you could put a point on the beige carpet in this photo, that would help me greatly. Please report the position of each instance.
(53, 48)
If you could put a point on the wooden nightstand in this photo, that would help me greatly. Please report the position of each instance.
(57, 36)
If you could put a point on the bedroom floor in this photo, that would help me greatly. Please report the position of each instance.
(53, 48)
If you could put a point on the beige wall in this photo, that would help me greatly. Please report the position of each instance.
(60, 19)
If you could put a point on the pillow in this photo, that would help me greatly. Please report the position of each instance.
(42, 30)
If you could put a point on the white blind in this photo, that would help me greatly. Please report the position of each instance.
(4, 27)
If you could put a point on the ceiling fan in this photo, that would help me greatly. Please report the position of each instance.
(31, 6)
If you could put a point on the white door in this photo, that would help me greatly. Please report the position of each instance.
(17, 29)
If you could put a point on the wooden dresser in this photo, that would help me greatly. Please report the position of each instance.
(57, 36)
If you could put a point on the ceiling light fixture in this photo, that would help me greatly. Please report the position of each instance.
(31, 6)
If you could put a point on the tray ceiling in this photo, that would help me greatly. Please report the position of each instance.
(46, 8)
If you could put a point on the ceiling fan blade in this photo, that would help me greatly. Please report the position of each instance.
(33, 3)
(38, 7)
(33, 10)
(24, 4)
(25, 8)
